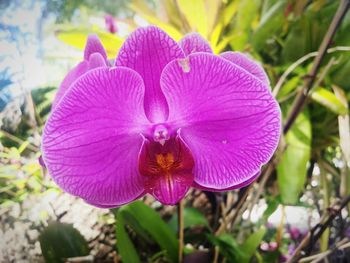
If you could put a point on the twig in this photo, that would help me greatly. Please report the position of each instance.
(261, 185)
(223, 225)
(344, 243)
(324, 72)
(240, 204)
(280, 229)
(329, 252)
(216, 255)
(300, 61)
(268, 172)
(288, 96)
(88, 258)
(180, 209)
(315, 233)
(240, 201)
(300, 99)
(324, 186)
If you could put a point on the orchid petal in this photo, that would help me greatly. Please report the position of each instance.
(193, 43)
(96, 60)
(147, 51)
(228, 118)
(107, 206)
(248, 64)
(94, 45)
(73, 75)
(92, 140)
(238, 186)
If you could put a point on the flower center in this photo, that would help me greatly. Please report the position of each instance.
(165, 161)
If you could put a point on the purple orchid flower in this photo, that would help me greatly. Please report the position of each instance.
(165, 117)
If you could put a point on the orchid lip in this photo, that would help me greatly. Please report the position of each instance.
(166, 168)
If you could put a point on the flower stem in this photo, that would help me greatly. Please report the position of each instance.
(324, 184)
(180, 209)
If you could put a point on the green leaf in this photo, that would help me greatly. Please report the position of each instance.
(342, 38)
(192, 217)
(125, 247)
(298, 41)
(340, 73)
(59, 241)
(228, 247)
(329, 100)
(143, 219)
(247, 12)
(232, 251)
(307, 32)
(270, 23)
(292, 168)
(250, 245)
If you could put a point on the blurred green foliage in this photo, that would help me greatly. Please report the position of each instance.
(20, 176)
(64, 10)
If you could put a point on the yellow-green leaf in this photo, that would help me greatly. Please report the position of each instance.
(216, 34)
(228, 12)
(76, 37)
(329, 100)
(223, 43)
(196, 15)
(225, 16)
(250, 245)
(23, 146)
(213, 9)
(172, 31)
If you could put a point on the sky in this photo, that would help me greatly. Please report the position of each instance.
(27, 48)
